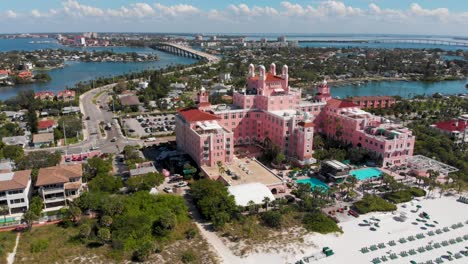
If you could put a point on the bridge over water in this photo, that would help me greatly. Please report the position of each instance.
(446, 42)
(186, 51)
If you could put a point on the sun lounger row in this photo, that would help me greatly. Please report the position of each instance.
(463, 199)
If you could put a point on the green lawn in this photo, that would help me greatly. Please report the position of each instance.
(7, 242)
(54, 244)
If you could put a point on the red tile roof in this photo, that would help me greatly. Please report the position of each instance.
(19, 180)
(452, 125)
(66, 93)
(39, 94)
(58, 174)
(370, 98)
(192, 115)
(269, 77)
(335, 103)
(44, 124)
(306, 124)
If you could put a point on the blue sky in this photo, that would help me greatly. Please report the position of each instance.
(26, 5)
(436, 17)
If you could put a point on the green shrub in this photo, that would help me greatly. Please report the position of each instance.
(417, 192)
(272, 219)
(40, 245)
(373, 203)
(188, 256)
(404, 196)
(399, 196)
(318, 222)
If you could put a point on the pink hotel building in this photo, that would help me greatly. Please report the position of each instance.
(268, 108)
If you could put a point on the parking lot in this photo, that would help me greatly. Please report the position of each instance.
(144, 126)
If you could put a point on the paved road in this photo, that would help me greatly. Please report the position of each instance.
(92, 133)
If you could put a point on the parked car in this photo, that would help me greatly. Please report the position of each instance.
(182, 184)
(168, 190)
(353, 213)
(113, 139)
(88, 118)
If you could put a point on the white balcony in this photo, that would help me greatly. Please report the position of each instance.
(52, 190)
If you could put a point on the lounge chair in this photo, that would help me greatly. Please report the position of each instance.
(430, 233)
(438, 231)
(376, 261)
(364, 250)
(429, 247)
(392, 243)
(436, 245)
(459, 239)
(384, 258)
(465, 237)
(393, 256)
(457, 255)
(421, 250)
(411, 238)
(412, 252)
(445, 243)
(381, 245)
(402, 240)
(404, 254)
(439, 260)
(452, 241)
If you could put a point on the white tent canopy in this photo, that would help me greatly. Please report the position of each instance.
(256, 192)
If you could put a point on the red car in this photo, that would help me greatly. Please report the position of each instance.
(353, 213)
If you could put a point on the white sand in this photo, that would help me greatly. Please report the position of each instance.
(446, 211)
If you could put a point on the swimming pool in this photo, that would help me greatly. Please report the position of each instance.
(367, 173)
(314, 182)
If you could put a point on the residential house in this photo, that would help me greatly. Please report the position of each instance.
(43, 139)
(15, 190)
(44, 95)
(21, 141)
(129, 100)
(225, 77)
(25, 75)
(46, 126)
(457, 129)
(60, 184)
(66, 95)
(143, 168)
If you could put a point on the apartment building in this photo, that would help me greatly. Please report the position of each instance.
(15, 191)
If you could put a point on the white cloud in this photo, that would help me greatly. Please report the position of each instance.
(318, 16)
(74, 8)
(440, 13)
(11, 14)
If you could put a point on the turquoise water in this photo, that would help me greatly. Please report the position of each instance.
(401, 88)
(314, 182)
(6, 220)
(367, 173)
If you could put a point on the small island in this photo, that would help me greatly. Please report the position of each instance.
(21, 67)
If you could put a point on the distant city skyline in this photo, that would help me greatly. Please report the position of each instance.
(428, 17)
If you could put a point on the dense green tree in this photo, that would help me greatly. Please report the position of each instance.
(272, 219)
(12, 152)
(214, 201)
(144, 182)
(38, 159)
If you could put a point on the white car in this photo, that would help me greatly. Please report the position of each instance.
(150, 139)
(168, 190)
(182, 184)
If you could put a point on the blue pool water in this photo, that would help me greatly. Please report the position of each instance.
(314, 182)
(367, 173)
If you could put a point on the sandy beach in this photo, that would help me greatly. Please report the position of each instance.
(445, 211)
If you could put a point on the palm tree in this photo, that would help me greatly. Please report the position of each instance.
(266, 202)
(221, 168)
(251, 205)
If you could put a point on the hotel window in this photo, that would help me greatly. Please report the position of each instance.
(247, 115)
(15, 192)
(233, 116)
(226, 116)
(15, 201)
(240, 115)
